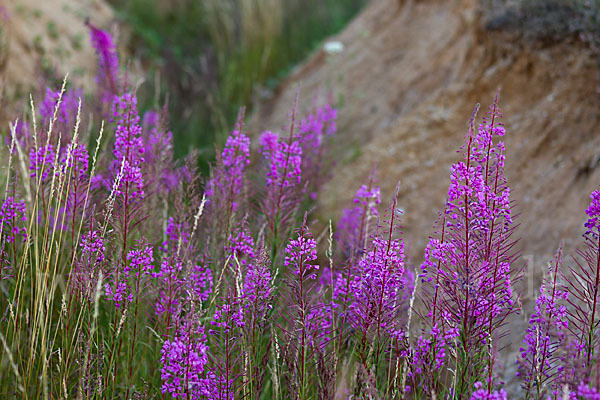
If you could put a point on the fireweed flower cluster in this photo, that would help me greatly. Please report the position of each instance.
(582, 355)
(377, 285)
(539, 364)
(41, 161)
(120, 290)
(353, 226)
(314, 131)
(240, 245)
(128, 147)
(66, 113)
(89, 266)
(227, 181)
(481, 393)
(75, 157)
(316, 126)
(467, 268)
(378, 293)
(183, 361)
(107, 78)
(12, 216)
(300, 253)
(283, 178)
(257, 288)
(285, 160)
(158, 152)
(175, 236)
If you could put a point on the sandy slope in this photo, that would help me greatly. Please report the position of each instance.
(38, 36)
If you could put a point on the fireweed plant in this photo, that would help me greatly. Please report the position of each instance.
(126, 274)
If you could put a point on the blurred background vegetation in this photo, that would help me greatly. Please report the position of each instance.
(206, 58)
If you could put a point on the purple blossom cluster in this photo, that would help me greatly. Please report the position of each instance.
(183, 360)
(175, 235)
(75, 157)
(540, 359)
(178, 285)
(241, 246)
(378, 284)
(257, 288)
(158, 152)
(593, 212)
(41, 161)
(140, 262)
(227, 181)
(318, 125)
(467, 269)
(300, 253)
(12, 215)
(285, 160)
(128, 148)
(199, 283)
(66, 113)
(314, 131)
(169, 287)
(86, 270)
(429, 354)
(107, 78)
(354, 223)
(482, 393)
(228, 316)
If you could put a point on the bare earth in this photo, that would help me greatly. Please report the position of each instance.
(38, 37)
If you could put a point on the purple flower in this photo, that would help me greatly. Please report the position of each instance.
(228, 316)
(12, 214)
(257, 286)
(140, 260)
(313, 131)
(92, 247)
(241, 245)
(467, 268)
(227, 180)
(129, 147)
(353, 225)
(428, 352)
(169, 286)
(378, 288)
(107, 78)
(593, 212)
(183, 361)
(67, 112)
(199, 283)
(481, 393)
(173, 234)
(139, 263)
(285, 160)
(548, 326)
(299, 253)
(158, 151)
(585, 392)
(41, 161)
(76, 157)
(314, 127)
(86, 271)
